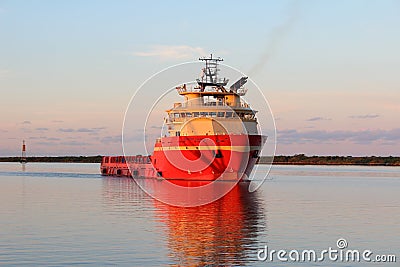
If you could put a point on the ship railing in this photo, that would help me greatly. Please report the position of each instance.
(183, 116)
(184, 89)
(138, 159)
(212, 104)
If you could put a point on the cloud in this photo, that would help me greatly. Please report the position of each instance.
(57, 121)
(44, 138)
(66, 130)
(318, 119)
(156, 127)
(115, 139)
(42, 129)
(85, 130)
(25, 130)
(366, 116)
(291, 136)
(111, 139)
(99, 128)
(81, 130)
(26, 122)
(74, 143)
(48, 141)
(173, 52)
(44, 143)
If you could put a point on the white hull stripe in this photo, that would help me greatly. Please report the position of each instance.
(214, 148)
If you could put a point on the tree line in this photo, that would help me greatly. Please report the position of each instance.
(301, 159)
(66, 159)
(298, 159)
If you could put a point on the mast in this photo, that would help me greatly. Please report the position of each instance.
(209, 75)
(23, 153)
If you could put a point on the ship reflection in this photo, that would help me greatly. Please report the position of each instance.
(221, 233)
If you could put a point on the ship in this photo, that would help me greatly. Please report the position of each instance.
(211, 135)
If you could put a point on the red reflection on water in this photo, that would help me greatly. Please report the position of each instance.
(186, 193)
(220, 233)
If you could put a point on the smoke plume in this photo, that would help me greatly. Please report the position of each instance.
(276, 37)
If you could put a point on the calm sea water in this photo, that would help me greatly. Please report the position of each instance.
(67, 214)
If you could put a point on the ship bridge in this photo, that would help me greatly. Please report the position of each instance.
(209, 101)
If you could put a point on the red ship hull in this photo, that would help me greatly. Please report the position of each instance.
(192, 158)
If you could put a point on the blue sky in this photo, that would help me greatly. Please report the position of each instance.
(328, 68)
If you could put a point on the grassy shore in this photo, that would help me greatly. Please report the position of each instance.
(300, 159)
(67, 159)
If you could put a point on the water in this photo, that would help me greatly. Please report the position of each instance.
(67, 214)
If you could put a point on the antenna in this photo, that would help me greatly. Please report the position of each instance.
(209, 74)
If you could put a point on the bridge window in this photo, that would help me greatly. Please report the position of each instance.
(229, 114)
(213, 114)
(195, 114)
(221, 114)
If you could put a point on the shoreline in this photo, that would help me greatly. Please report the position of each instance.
(299, 159)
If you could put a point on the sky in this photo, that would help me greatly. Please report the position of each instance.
(329, 69)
